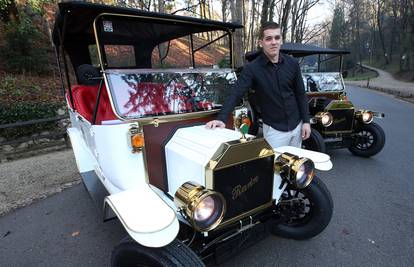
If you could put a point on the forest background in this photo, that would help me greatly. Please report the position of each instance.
(376, 32)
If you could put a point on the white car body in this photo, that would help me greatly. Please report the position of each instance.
(148, 216)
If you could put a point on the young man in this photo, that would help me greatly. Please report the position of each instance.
(278, 85)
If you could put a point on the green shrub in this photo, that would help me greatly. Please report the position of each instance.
(33, 89)
(19, 112)
(22, 52)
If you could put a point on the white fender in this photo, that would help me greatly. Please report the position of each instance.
(322, 161)
(145, 216)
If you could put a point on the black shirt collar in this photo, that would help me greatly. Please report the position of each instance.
(265, 60)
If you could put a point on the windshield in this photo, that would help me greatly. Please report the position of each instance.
(146, 93)
(323, 82)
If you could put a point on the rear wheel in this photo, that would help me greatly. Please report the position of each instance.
(305, 212)
(129, 253)
(369, 140)
(315, 142)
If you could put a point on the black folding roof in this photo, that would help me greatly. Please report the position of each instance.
(74, 22)
(301, 50)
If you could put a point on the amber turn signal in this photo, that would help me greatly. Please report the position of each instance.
(137, 140)
(136, 137)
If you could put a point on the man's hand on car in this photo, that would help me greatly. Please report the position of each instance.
(215, 124)
(306, 131)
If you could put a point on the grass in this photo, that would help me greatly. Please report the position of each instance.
(394, 69)
(358, 75)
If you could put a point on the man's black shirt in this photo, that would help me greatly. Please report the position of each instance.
(279, 92)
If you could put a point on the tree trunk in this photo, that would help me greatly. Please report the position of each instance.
(224, 4)
(237, 16)
(285, 17)
(272, 10)
(251, 26)
(265, 12)
(380, 33)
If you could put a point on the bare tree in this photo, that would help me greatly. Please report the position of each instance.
(224, 9)
(237, 17)
(299, 12)
(285, 16)
(379, 7)
(265, 12)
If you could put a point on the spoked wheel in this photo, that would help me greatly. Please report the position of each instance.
(368, 140)
(305, 212)
(129, 253)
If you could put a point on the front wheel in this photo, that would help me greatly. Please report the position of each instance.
(315, 142)
(129, 253)
(369, 140)
(305, 212)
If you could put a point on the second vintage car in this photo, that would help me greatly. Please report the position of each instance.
(336, 122)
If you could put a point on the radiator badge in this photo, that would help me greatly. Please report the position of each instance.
(339, 121)
(239, 190)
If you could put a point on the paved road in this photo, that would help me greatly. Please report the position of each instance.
(372, 225)
(387, 83)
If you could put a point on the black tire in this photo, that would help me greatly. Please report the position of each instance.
(369, 140)
(308, 219)
(315, 142)
(129, 253)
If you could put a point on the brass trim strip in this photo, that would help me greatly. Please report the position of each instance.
(337, 132)
(245, 214)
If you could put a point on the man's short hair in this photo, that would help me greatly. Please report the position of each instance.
(266, 26)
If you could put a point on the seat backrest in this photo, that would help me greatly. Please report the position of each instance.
(84, 98)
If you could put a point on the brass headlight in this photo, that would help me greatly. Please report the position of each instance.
(298, 171)
(204, 208)
(325, 118)
(365, 116)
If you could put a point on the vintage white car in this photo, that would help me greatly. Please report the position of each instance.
(140, 87)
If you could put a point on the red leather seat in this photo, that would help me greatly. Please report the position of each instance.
(84, 98)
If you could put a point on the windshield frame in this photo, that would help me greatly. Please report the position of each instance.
(114, 101)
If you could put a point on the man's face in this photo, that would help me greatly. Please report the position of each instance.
(271, 42)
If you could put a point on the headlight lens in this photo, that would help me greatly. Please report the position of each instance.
(298, 171)
(367, 117)
(304, 170)
(325, 118)
(204, 208)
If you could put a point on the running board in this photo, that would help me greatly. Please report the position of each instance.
(98, 193)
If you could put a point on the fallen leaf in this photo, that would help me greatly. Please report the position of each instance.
(7, 233)
(345, 231)
(75, 233)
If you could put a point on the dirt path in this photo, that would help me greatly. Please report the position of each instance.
(26, 180)
(386, 83)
